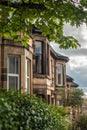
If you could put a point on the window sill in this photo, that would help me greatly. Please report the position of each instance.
(41, 76)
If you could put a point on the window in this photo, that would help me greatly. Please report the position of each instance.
(13, 72)
(38, 47)
(27, 76)
(60, 74)
(52, 71)
(41, 58)
(38, 57)
(60, 102)
(48, 55)
(48, 99)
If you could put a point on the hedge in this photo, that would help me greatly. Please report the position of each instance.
(23, 112)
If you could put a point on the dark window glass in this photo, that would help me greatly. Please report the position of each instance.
(60, 74)
(38, 57)
(13, 82)
(13, 64)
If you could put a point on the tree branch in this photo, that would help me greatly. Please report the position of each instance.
(40, 6)
(75, 2)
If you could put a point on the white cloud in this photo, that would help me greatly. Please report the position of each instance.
(79, 33)
(84, 32)
(78, 62)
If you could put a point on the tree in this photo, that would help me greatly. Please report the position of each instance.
(74, 100)
(18, 17)
(74, 97)
(82, 122)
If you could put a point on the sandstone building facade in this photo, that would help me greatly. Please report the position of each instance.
(15, 66)
(34, 69)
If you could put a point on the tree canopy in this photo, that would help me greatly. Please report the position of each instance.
(74, 97)
(49, 16)
(82, 122)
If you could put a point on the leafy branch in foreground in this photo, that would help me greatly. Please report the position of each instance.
(18, 17)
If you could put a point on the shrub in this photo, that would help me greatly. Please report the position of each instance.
(74, 97)
(24, 112)
(82, 122)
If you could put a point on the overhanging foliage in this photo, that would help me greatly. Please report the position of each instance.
(18, 16)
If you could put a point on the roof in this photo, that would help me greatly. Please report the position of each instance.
(36, 30)
(69, 79)
(75, 84)
(58, 56)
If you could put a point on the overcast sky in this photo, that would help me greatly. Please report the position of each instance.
(77, 65)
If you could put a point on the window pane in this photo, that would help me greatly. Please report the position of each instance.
(38, 57)
(11, 64)
(60, 102)
(59, 79)
(28, 68)
(60, 73)
(39, 64)
(13, 72)
(13, 82)
(28, 84)
(16, 65)
(38, 47)
(59, 68)
(27, 75)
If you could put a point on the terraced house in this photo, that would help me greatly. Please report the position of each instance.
(70, 82)
(49, 69)
(16, 65)
(34, 69)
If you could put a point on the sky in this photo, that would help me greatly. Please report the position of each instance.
(77, 65)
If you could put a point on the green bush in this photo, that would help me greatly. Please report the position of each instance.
(24, 112)
(82, 122)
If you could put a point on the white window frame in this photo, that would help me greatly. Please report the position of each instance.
(13, 74)
(61, 78)
(27, 90)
